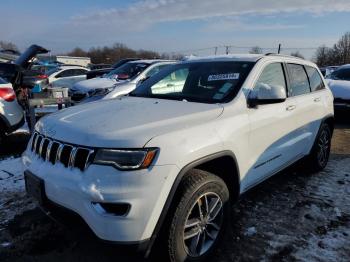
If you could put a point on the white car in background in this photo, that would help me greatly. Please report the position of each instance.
(66, 76)
(118, 82)
(339, 83)
(11, 113)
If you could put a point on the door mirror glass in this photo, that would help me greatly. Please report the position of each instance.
(272, 93)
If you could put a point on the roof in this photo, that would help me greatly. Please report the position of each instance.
(248, 58)
(71, 67)
(151, 61)
(233, 57)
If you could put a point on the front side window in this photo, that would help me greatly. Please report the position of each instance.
(205, 82)
(316, 82)
(155, 70)
(299, 83)
(272, 76)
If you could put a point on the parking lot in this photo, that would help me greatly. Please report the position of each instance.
(294, 216)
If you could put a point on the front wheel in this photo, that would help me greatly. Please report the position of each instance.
(200, 217)
(320, 152)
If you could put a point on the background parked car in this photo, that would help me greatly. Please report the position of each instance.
(120, 81)
(66, 76)
(99, 66)
(339, 83)
(11, 113)
(326, 71)
(101, 72)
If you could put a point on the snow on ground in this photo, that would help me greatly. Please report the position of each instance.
(13, 199)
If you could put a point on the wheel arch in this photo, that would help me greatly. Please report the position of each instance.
(230, 174)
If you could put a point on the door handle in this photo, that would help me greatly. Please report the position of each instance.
(290, 108)
(317, 99)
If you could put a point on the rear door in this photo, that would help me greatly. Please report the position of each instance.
(77, 76)
(307, 115)
(61, 79)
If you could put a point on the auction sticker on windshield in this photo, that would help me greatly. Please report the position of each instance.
(230, 76)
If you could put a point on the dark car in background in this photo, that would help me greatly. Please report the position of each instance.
(18, 72)
(101, 72)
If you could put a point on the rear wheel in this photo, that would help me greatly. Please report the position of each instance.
(200, 217)
(320, 152)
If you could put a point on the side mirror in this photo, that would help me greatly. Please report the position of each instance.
(267, 94)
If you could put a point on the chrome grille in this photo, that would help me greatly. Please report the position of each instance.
(53, 151)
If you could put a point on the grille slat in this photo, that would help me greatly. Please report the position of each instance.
(53, 151)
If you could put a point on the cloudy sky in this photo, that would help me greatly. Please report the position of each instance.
(175, 25)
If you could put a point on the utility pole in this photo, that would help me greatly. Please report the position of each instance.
(227, 47)
(216, 50)
(279, 48)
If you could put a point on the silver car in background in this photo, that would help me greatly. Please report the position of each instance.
(118, 82)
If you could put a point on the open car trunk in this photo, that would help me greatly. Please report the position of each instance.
(13, 72)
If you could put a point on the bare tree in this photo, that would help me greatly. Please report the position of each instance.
(342, 48)
(8, 45)
(339, 54)
(77, 52)
(297, 54)
(256, 50)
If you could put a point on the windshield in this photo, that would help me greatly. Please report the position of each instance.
(127, 71)
(205, 82)
(341, 74)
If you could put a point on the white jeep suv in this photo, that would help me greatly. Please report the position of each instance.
(168, 159)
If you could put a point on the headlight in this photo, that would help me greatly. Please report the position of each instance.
(126, 159)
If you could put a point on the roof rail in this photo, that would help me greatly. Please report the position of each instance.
(275, 54)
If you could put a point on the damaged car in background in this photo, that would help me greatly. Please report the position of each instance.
(118, 82)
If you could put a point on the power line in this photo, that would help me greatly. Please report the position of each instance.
(229, 47)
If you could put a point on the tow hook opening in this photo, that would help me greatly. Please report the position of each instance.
(113, 209)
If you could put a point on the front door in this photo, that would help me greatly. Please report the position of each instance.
(272, 132)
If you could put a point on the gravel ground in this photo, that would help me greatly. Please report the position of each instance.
(294, 216)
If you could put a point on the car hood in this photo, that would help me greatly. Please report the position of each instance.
(340, 88)
(91, 84)
(128, 122)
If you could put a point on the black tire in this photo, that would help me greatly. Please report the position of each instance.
(319, 156)
(2, 133)
(199, 190)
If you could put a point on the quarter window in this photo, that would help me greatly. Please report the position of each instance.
(272, 75)
(316, 82)
(299, 83)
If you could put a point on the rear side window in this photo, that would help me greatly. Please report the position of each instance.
(299, 83)
(272, 75)
(316, 82)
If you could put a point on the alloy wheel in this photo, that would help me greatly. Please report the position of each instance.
(203, 224)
